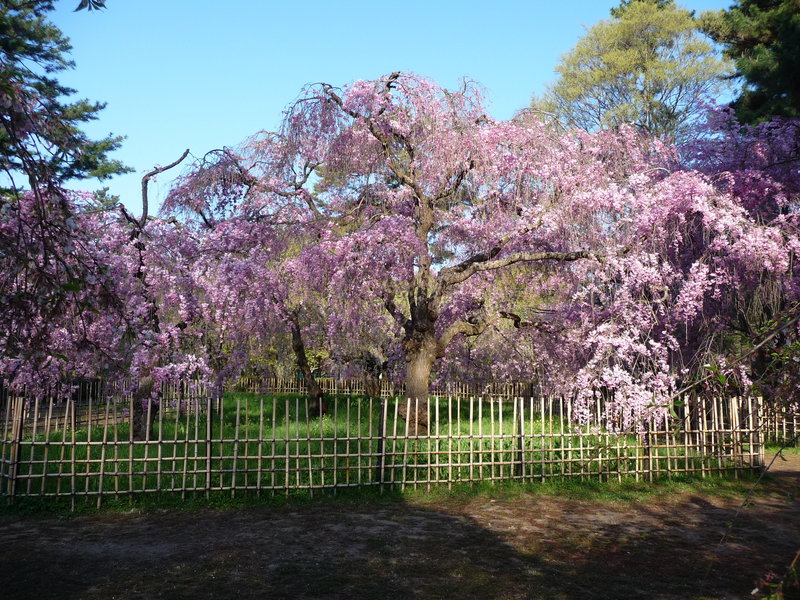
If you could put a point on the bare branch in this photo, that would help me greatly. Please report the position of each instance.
(147, 178)
(395, 312)
(519, 323)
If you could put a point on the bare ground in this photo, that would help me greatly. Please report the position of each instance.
(527, 547)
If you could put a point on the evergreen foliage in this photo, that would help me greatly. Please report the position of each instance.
(41, 139)
(763, 38)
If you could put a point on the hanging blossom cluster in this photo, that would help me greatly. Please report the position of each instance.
(83, 299)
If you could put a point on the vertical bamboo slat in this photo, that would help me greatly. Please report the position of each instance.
(274, 441)
(32, 456)
(114, 402)
(103, 455)
(405, 443)
(185, 472)
(72, 459)
(335, 443)
(286, 446)
(471, 439)
(492, 441)
(428, 454)
(260, 464)
(159, 442)
(519, 407)
(46, 451)
(449, 442)
(297, 443)
(236, 445)
(308, 450)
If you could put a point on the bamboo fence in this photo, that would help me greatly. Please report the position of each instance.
(83, 448)
(779, 424)
(356, 386)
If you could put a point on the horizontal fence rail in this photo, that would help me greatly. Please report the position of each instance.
(87, 448)
(358, 387)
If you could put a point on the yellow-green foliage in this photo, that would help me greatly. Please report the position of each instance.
(649, 66)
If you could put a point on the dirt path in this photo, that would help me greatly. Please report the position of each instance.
(531, 547)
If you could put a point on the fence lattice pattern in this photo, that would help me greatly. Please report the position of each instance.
(85, 447)
(779, 425)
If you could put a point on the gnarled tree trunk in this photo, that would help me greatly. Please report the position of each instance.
(421, 352)
(318, 405)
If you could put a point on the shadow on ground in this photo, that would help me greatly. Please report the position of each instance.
(525, 547)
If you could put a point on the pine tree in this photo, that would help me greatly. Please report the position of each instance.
(763, 38)
(42, 144)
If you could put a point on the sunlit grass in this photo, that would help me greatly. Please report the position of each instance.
(263, 446)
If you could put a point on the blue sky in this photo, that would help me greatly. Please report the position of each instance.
(202, 74)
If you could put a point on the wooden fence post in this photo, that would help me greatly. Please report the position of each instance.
(209, 432)
(759, 433)
(648, 451)
(380, 465)
(17, 408)
(520, 466)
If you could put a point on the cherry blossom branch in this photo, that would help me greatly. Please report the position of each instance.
(466, 328)
(481, 262)
(519, 323)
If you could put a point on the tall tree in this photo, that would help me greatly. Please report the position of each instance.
(648, 66)
(400, 200)
(43, 262)
(762, 37)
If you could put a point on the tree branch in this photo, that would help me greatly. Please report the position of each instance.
(518, 321)
(483, 262)
(463, 328)
(396, 313)
(147, 178)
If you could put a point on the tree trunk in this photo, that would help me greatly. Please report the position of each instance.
(374, 369)
(372, 386)
(142, 419)
(420, 356)
(318, 405)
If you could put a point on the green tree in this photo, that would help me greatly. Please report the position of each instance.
(649, 65)
(762, 37)
(618, 11)
(42, 144)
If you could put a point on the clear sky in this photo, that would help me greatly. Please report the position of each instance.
(202, 74)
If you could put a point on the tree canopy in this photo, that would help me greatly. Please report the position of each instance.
(762, 37)
(648, 66)
(600, 258)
